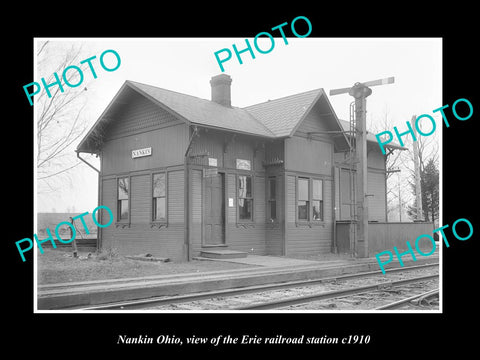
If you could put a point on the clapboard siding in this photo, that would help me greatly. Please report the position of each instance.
(208, 142)
(196, 211)
(231, 193)
(109, 196)
(274, 151)
(168, 146)
(313, 122)
(139, 236)
(308, 241)
(376, 202)
(386, 236)
(226, 149)
(274, 241)
(274, 231)
(140, 115)
(196, 195)
(250, 239)
(142, 239)
(311, 156)
(259, 199)
(337, 193)
(176, 195)
(242, 148)
(375, 158)
(290, 199)
(140, 194)
(375, 188)
(313, 238)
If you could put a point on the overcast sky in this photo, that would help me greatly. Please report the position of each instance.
(186, 66)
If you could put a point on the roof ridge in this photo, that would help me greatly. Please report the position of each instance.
(283, 97)
(161, 88)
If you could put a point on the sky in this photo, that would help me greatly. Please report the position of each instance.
(186, 65)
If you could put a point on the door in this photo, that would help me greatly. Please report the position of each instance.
(214, 210)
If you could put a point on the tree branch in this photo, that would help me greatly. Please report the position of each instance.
(58, 172)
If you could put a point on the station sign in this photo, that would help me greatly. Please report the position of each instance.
(141, 152)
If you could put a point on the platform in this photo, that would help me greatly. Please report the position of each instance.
(267, 270)
(268, 261)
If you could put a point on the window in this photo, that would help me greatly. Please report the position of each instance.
(272, 198)
(317, 199)
(245, 199)
(159, 198)
(303, 203)
(309, 202)
(122, 196)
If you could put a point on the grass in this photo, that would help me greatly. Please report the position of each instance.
(59, 266)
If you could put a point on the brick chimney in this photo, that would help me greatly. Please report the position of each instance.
(221, 89)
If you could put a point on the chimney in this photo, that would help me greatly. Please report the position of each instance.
(221, 89)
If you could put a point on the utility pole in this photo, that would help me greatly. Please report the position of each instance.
(418, 183)
(360, 92)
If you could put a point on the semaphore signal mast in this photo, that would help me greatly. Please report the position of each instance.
(360, 92)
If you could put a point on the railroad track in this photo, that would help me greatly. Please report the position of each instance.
(417, 300)
(311, 290)
(336, 294)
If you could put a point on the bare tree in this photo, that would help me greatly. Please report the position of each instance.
(394, 162)
(428, 147)
(59, 117)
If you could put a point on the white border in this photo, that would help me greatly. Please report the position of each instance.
(35, 262)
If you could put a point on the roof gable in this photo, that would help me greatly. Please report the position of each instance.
(191, 109)
(284, 116)
(272, 119)
(204, 112)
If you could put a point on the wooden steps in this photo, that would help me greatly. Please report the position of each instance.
(222, 254)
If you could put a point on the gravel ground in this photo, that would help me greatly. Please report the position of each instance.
(365, 301)
(57, 266)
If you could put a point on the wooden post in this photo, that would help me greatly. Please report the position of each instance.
(74, 242)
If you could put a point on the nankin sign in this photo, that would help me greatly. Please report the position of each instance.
(141, 152)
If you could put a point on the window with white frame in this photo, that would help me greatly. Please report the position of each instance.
(309, 199)
(122, 198)
(159, 197)
(245, 197)
(303, 202)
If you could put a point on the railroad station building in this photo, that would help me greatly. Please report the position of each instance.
(184, 175)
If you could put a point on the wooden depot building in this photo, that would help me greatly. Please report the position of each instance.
(185, 175)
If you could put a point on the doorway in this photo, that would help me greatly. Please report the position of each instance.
(214, 201)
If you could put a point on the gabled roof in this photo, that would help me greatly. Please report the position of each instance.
(283, 115)
(203, 112)
(271, 119)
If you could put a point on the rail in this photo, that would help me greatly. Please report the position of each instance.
(333, 294)
(156, 301)
(400, 303)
